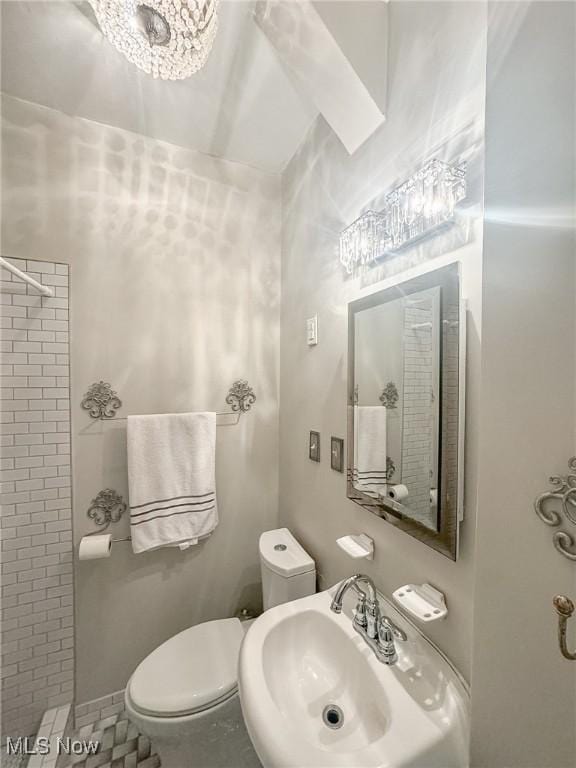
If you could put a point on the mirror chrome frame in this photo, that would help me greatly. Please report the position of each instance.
(446, 539)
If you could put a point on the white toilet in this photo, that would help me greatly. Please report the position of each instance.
(184, 695)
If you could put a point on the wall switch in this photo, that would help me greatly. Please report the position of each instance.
(312, 331)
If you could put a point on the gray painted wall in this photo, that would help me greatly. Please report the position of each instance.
(324, 189)
(175, 294)
(527, 404)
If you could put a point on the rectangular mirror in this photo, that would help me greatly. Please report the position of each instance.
(405, 406)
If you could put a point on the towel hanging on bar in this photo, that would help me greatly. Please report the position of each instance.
(171, 479)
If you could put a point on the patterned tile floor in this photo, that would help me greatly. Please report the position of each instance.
(121, 746)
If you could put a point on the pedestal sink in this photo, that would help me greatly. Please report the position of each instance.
(314, 695)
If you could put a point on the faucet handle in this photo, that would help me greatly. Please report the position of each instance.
(360, 619)
(398, 633)
(372, 619)
(385, 641)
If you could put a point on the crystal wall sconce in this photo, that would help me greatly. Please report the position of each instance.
(363, 241)
(423, 203)
(417, 208)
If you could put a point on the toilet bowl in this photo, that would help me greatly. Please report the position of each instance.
(184, 695)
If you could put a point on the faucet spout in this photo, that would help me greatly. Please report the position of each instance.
(352, 582)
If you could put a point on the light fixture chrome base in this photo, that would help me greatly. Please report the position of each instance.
(152, 25)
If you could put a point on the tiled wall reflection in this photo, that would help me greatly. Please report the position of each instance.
(417, 449)
(36, 518)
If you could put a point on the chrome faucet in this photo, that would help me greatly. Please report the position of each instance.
(378, 631)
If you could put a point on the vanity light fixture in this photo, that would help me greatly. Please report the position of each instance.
(363, 241)
(415, 209)
(423, 203)
(169, 39)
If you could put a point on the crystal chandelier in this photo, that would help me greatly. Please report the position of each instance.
(418, 207)
(170, 39)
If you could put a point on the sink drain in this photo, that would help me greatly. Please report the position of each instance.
(333, 716)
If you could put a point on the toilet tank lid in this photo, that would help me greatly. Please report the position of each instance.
(281, 552)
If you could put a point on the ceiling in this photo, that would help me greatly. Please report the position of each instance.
(241, 106)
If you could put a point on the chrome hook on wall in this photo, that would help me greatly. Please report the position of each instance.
(564, 608)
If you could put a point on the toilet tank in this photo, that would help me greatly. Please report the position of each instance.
(288, 571)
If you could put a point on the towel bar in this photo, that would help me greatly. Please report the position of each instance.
(129, 538)
(102, 402)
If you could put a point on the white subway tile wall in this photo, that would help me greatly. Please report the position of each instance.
(450, 402)
(37, 609)
(417, 447)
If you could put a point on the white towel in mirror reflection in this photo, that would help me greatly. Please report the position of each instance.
(369, 472)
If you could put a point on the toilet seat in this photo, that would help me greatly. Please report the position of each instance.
(192, 671)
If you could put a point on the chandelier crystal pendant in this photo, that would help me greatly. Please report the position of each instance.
(169, 39)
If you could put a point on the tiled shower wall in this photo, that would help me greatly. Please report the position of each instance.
(418, 406)
(36, 519)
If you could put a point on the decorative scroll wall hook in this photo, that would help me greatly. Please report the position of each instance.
(101, 401)
(564, 608)
(557, 506)
(241, 396)
(389, 397)
(108, 507)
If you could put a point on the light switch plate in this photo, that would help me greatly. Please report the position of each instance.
(312, 331)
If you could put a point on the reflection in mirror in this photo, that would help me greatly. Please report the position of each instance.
(404, 406)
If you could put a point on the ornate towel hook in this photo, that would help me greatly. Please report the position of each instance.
(561, 499)
(241, 396)
(101, 401)
(108, 507)
(564, 608)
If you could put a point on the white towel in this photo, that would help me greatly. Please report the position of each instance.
(171, 479)
(369, 473)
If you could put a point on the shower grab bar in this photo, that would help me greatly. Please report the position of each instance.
(564, 608)
(43, 289)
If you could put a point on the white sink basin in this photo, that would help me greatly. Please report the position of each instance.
(299, 658)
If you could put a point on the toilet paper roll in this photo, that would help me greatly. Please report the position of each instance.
(398, 492)
(94, 547)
